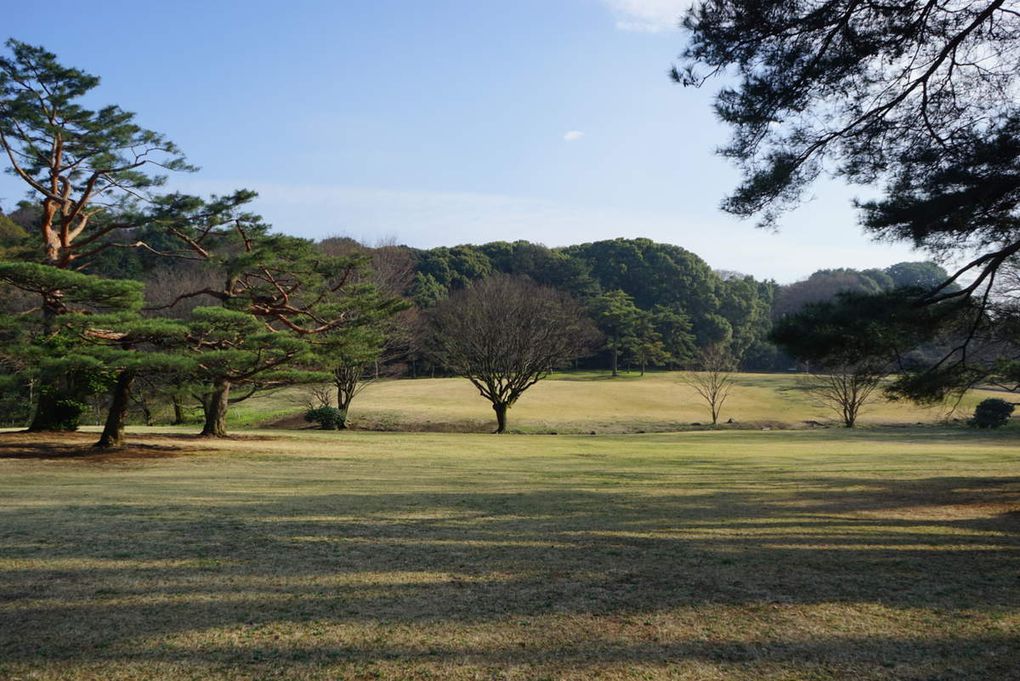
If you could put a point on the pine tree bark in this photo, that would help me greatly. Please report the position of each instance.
(215, 407)
(113, 431)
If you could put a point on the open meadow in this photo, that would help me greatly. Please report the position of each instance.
(888, 553)
(583, 402)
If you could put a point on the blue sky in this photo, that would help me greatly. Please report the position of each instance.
(437, 122)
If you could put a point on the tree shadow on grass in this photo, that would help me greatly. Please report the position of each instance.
(572, 574)
(86, 451)
(79, 446)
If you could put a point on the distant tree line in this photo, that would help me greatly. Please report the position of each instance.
(658, 305)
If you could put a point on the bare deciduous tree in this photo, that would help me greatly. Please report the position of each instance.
(846, 388)
(350, 378)
(352, 359)
(504, 334)
(713, 379)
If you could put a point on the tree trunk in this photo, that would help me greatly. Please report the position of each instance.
(51, 414)
(500, 410)
(113, 431)
(343, 406)
(31, 396)
(178, 412)
(56, 409)
(346, 380)
(616, 361)
(215, 408)
(143, 404)
(60, 405)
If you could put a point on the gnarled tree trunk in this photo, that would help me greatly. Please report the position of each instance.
(113, 431)
(215, 407)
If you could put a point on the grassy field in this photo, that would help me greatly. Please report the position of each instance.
(811, 554)
(586, 402)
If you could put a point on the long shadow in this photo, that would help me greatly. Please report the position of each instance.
(89, 583)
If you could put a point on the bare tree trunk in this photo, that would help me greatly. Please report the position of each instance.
(500, 410)
(616, 361)
(31, 395)
(113, 431)
(215, 407)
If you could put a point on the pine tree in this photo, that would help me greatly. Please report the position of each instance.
(87, 167)
(284, 285)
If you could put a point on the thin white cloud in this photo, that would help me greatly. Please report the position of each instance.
(648, 16)
(572, 135)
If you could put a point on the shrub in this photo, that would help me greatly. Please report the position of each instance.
(328, 418)
(991, 413)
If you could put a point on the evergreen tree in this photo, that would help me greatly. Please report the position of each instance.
(85, 167)
(96, 340)
(617, 317)
(286, 285)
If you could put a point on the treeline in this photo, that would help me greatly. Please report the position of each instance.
(656, 304)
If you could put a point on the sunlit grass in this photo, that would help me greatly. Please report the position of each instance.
(815, 554)
(588, 401)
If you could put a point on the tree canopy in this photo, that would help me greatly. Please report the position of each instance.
(504, 334)
(917, 99)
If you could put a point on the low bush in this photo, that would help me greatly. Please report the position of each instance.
(328, 418)
(991, 413)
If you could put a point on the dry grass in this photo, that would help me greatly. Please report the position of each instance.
(581, 403)
(715, 555)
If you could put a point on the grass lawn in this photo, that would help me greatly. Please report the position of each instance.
(815, 554)
(585, 402)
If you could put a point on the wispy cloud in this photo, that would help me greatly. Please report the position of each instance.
(572, 135)
(649, 16)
